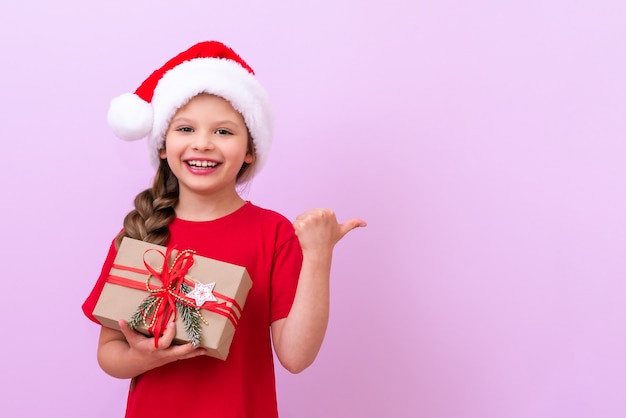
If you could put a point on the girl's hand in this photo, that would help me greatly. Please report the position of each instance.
(318, 229)
(298, 338)
(127, 353)
(165, 352)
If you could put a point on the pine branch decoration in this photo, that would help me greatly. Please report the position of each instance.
(144, 311)
(191, 318)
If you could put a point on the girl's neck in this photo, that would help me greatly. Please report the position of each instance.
(207, 208)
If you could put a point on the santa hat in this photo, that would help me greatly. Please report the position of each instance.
(207, 67)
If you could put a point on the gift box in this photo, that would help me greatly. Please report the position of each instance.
(149, 284)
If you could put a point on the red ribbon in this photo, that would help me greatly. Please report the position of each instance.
(171, 279)
(169, 292)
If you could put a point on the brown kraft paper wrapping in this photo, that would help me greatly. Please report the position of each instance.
(126, 289)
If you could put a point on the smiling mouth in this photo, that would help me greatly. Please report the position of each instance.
(201, 164)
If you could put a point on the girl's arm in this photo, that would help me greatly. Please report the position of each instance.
(298, 338)
(125, 354)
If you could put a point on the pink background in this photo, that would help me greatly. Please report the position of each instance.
(483, 142)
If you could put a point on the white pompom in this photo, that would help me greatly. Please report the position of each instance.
(130, 117)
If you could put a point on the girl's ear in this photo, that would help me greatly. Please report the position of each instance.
(249, 159)
(162, 154)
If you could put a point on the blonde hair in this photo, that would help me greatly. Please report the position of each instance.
(154, 209)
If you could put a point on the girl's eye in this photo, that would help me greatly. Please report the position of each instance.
(223, 132)
(184, 129)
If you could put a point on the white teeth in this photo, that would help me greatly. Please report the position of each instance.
(203, 164)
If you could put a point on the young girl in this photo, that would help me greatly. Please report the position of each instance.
(209, 126)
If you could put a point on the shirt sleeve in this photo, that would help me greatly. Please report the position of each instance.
(285, 272)
(92, 299)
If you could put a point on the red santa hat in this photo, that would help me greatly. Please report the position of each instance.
(207, 67)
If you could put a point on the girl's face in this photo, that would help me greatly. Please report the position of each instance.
(206, 145)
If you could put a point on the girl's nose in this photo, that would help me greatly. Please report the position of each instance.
(203, 142)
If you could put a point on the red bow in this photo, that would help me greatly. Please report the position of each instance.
(171, 278)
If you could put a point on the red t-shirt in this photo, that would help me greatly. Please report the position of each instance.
(243, 385)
